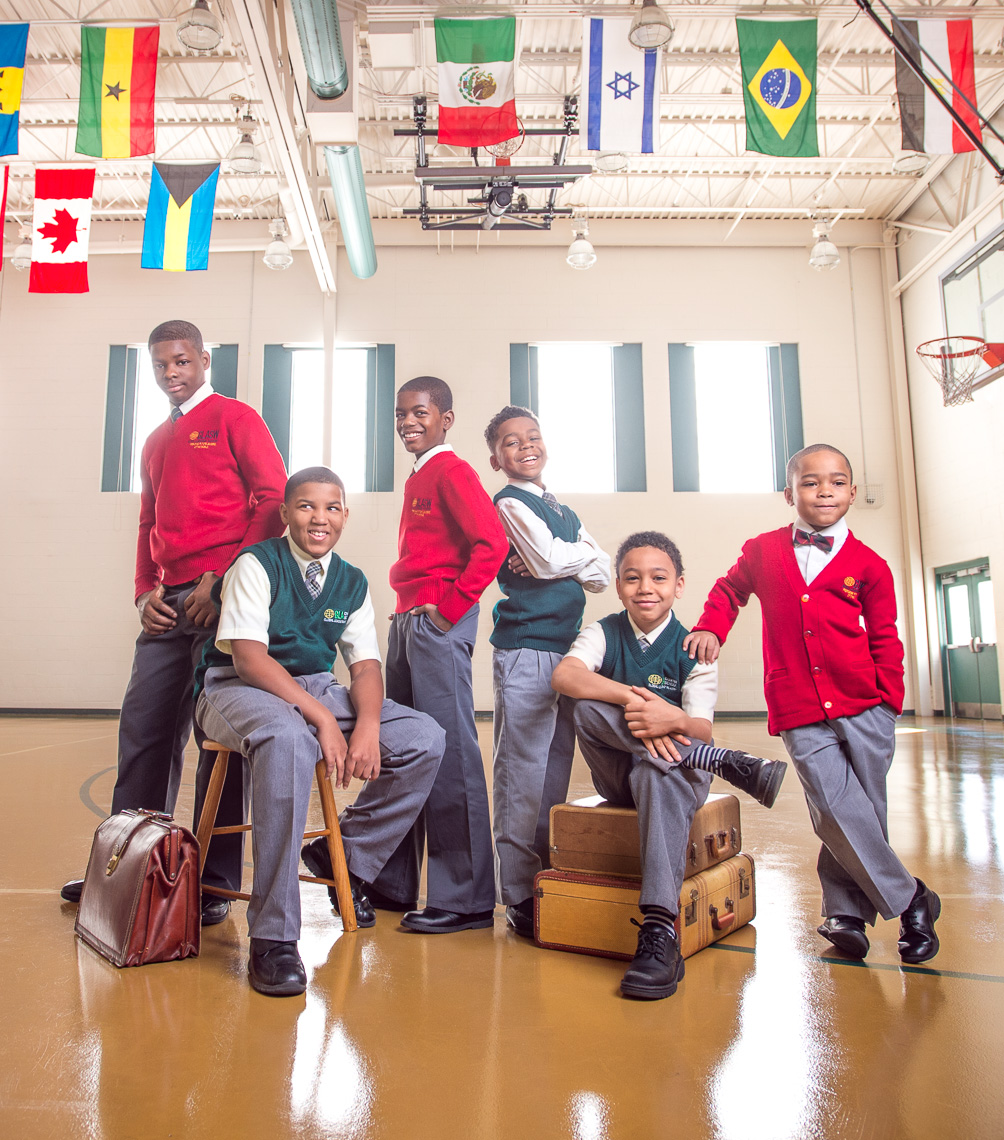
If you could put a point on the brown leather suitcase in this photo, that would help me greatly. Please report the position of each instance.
(141, 900)
(597, 838)
(591, 914)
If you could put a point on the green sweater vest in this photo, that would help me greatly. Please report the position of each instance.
(538, 613)
(662, 670)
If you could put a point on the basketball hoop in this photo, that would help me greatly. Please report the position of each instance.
(954, 361)
(504, 150)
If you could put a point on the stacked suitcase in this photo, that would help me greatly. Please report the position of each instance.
(585, 903)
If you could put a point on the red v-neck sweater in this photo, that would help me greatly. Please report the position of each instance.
(820, 661)
(212, 484)
(451, 543)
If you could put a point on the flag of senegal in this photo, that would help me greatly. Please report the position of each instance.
(779, 86)
(118, 75)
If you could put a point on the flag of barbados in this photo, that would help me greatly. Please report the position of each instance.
(13, 43)
(118, 79)
(179, 216)
(778, 60)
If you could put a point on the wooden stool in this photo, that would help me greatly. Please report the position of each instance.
(336, 852)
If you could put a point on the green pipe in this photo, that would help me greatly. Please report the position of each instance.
(345, 169)
(321, 42)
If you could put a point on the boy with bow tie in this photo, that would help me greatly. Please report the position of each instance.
(833, 679)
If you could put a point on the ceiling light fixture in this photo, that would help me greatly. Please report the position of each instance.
(244, 158)
(21, 257)
(199, 29)
(651, 28)
(277, 252)
(825, 254)
(581, 254)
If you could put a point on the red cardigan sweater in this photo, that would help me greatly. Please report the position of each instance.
(212, 484)
(819, 661)
(451, 543)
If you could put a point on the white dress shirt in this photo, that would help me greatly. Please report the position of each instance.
(203, 392)
(811, 560)
(424, 458)
(700, 690)
(245, 612)
(549, 557)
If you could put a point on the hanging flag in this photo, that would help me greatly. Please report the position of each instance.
(60, 228)
(13, 44)
(778, 60)
(477, 86)
(179, 216)
(620, 89)
(118, 75)
(926, 125)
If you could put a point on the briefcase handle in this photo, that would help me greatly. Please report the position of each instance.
(145, 815)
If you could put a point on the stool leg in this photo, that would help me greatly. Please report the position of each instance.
(207, 821)
(336, 850)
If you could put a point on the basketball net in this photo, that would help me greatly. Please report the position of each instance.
(953, 362)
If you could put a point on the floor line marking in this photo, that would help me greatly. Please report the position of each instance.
(59, 744)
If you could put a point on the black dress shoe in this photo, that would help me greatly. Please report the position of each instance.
(759, 778)
(318, 862)
(385, 902)
(656, 968)
(432, 920)
(917, 940)
(520, 917)
(274, 968)
(846, 933)
(71, 891)
(214, 910)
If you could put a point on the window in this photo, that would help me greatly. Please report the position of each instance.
(738, 399)
(135, 406)
(359, 418)
(590, 403)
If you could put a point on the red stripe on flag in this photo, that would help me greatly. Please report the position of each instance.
(960, 52)
(477, 126)
(76, 182)
(47, 277)
(145, 43)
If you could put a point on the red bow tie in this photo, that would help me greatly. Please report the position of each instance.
(812, 538)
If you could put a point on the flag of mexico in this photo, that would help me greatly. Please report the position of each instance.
(118, 77)
(926, 125)
(477, 86)
(60, 229)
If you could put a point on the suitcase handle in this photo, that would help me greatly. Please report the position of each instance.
(716, 841)
(722, 921)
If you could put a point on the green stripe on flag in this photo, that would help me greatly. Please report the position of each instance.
(779, 86)
(92, 62)
(475, 41)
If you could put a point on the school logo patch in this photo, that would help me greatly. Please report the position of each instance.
(203, 439)
(657, 682)
(654, 679)
(421, 507)
(336, 615)
(852, 587)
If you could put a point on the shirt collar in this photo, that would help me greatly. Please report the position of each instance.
(653, 635)
(304, 560)
(421, 461)
(526, 485)
(203, 392)
(834, 530)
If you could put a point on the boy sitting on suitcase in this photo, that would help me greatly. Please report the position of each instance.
(643, 722)
(266, 691)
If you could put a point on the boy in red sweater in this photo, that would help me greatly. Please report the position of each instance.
(833, 678)
(450, 547)
(212, 484)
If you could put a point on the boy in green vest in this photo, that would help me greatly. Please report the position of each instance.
(643, 718)
(287, 605)
(552, 560)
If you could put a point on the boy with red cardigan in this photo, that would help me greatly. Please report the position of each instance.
(212, 484)
(450, 547)
(833, 678)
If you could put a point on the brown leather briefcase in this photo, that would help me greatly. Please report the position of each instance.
(591, 914)
(595, 837)
(141, 897)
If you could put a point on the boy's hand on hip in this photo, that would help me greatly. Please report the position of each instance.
(434, 616)
(155, 615)
(333, 750)
(363, 757)
(199, 603)
(518, 566)
(703, 645)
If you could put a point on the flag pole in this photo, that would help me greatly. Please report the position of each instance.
(914, 66)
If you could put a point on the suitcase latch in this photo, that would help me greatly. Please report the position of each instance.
(735, 840)
(744, 883)
(113, 862)
(690, 911)
(693, 853)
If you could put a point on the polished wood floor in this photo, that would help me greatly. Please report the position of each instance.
(482, 1036)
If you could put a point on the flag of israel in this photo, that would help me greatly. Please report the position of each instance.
(620, 89)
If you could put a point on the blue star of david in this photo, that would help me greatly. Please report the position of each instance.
(629, 85)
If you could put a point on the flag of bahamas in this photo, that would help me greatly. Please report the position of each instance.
(779, 86)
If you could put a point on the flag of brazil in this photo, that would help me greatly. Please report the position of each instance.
(779, 86)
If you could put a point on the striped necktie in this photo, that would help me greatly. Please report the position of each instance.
(176, 413)
(644, 644)
(313, 573)
(552, 502)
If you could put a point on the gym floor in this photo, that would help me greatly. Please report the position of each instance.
(481, 1035)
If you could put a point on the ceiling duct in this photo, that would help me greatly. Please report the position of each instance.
(320, 34)
(345, 169)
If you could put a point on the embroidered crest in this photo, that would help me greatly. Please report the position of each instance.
(852, 587)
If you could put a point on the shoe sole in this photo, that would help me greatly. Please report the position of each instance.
(916, 960)
(478, 924)
(774, 783)
(313, 864)
(849, 943)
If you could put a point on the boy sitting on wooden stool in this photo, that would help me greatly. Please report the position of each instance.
(643, 721)
(266, 691)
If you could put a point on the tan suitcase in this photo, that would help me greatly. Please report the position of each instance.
(591, 914)
(597, 838)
